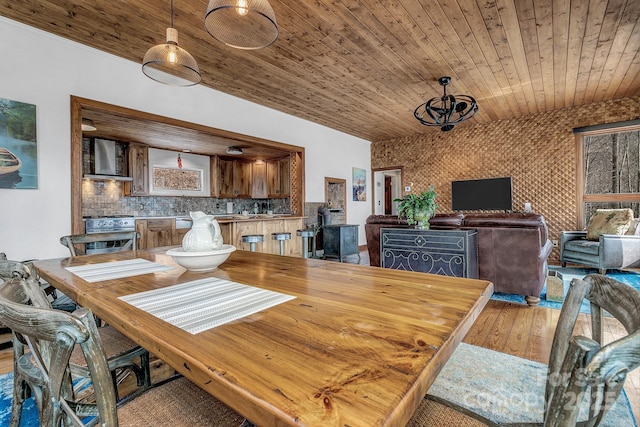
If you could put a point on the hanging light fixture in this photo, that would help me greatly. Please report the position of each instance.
(243, 24)
(168, 63)
(446, 111)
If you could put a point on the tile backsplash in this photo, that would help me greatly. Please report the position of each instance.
(105, 198)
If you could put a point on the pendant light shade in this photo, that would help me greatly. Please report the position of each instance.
(168, 63)
(243, 24)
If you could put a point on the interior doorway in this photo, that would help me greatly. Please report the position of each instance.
(387, 187)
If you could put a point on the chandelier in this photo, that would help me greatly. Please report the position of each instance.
(243, 24)
(168, 63)
(446, 111)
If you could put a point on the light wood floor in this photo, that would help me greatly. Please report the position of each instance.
(514, 329)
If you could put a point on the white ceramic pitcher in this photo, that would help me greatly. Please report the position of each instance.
(204, 235)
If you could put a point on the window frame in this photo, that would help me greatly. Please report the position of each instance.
(581, 197)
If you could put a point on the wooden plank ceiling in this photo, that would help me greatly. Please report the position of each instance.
(362, 67)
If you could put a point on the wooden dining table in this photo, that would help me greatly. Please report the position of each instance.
(356, 346)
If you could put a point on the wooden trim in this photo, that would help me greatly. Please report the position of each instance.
(611, 197)
(579, 182)
(78, 104)
(77, 227)
(581, 197)
(327, 181)
(150, 117)
(609, 128)
(373, 182)
(302, 182)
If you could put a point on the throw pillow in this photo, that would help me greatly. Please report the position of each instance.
(634, 228)
(609, 221)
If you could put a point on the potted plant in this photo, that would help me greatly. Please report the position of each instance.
(418, 208)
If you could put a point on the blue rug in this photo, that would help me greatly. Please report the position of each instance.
(631, 278)
(499, 387)
(507, 389)
(29, 409)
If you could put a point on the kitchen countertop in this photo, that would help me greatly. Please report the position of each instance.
(231, 218)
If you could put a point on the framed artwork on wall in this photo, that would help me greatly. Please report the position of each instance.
(359, 185)
(18, 145)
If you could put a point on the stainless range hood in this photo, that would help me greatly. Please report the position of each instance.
(105, 161)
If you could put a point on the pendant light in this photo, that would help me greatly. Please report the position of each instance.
(168, 63)
(243, 24)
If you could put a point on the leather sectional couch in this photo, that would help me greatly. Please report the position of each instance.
(512, 247)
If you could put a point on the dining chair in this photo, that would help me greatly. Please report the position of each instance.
(121, 352)
(72, 241)
(44, 339)
(582, 366)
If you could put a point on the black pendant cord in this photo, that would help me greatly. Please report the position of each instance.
(171, 12)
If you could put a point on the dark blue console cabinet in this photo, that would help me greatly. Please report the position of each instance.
(445, 252)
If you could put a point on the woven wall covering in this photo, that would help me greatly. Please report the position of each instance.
(295, 184)
(537, 151)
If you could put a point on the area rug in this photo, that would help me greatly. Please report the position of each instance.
(505, 388)
(497, 386)
(631, 278)
(29, 409)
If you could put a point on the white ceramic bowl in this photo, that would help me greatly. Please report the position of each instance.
(201, 261)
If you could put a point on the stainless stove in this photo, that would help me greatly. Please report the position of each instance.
(107, 224)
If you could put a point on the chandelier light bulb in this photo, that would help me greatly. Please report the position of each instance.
(172, 57)
(242, 8)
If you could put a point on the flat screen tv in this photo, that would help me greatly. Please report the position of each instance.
(481, 194)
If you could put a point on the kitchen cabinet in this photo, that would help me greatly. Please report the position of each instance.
(234, 178)
(265, 227)
(138, 171)
(259, 180)
(214, 179)
(180, 233)
(157, 232)
(242, 178)
(278, 178)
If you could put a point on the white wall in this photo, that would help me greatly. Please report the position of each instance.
(45, 70)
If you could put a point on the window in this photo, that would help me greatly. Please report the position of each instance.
(608, 170)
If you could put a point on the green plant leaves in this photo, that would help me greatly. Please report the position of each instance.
(417, 207)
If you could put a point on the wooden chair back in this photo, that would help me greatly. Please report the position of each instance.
(50, 336)
(15, 269)
(581, 365)
(73, 242)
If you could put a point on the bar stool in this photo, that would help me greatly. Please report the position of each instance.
(252, 239)
(281, 237)
(305, 234)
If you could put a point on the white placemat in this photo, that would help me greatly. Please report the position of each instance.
(206, 303)
(116, 269)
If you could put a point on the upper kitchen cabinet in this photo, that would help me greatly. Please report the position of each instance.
(138, 171)
(259, 180)
(234, 178)
(278, 178)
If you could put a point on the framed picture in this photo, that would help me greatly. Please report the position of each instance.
(178, 174)
(18, 145)
(359, 185)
